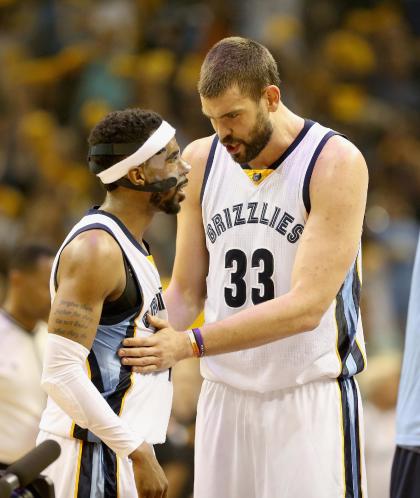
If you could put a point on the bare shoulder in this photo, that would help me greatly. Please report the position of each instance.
(340, 168)
(196, 154)
(340, 158)
(95, 248)
(197, 151)
(92, 256)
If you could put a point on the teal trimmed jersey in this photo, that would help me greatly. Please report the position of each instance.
(143, 401)
(254, 220)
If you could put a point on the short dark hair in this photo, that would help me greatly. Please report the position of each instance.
(240, 61)
(26, 256)
(127, 126)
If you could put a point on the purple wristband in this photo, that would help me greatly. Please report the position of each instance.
(199, 340)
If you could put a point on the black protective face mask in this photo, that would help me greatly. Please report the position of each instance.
(123, 150)
(162, 186)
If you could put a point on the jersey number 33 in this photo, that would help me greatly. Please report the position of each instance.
(261, 267)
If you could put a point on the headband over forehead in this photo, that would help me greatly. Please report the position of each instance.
(156, 142)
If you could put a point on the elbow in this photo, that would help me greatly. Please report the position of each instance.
(55, 380)
(310, 306)
(195, 299)
(310, 322)
(312, 318)
(184, 303)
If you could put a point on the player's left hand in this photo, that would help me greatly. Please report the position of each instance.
(157, 352)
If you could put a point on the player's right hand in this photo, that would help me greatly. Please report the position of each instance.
(158, 351)
(150, 479)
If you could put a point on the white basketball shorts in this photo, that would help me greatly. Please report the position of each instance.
(302, 442)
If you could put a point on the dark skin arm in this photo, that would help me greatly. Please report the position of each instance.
(91, 271)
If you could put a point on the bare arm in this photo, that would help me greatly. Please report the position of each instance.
(86, 277)
(326, 252)
(328, 248)
(185, 295)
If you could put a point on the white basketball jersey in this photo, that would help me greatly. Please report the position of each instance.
(143, 401)
(253, 221)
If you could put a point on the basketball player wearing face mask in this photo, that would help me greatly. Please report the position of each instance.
(104, 287)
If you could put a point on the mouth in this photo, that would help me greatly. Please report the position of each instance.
(180, 190)
(232, 148)
(181, 185)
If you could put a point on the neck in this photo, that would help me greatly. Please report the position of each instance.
(286, 127)
(132, 208)
(11, 307)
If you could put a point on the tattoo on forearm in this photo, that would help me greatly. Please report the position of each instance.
(72, 320)
(69, 333)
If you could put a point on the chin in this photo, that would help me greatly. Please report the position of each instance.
(170, 208)
(238, 158)
(170, 204)
(241, 157)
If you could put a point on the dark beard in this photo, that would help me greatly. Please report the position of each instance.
(260, 136)
(168, 206)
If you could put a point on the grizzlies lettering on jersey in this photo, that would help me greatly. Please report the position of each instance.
(251, 213)
(254, 220)
(143, 401)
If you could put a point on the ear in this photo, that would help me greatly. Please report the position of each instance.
(136, 176)
(272, 97)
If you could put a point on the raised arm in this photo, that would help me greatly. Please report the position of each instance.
(186, 292)
(327, 249)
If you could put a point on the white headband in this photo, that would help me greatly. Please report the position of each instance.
(157, 141)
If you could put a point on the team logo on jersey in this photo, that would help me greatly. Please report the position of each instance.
(254, 213)
(157, 304)
(258, 175)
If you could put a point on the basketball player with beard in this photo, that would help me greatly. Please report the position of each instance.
(272, 224)
(104, 286)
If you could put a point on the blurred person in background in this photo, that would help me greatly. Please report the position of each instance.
(105, 286)
(379, 388)
(22, 336)
(405, 478)
(269, 242)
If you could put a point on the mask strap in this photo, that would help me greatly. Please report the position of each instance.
(156, 142)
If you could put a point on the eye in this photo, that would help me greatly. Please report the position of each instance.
(174, 157)
(233, 115)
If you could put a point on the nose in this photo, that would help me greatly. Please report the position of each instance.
(222, 130)
(184, 166)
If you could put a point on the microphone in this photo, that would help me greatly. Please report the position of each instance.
(25, 470)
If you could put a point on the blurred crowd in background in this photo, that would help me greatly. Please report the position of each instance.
(352, 65)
